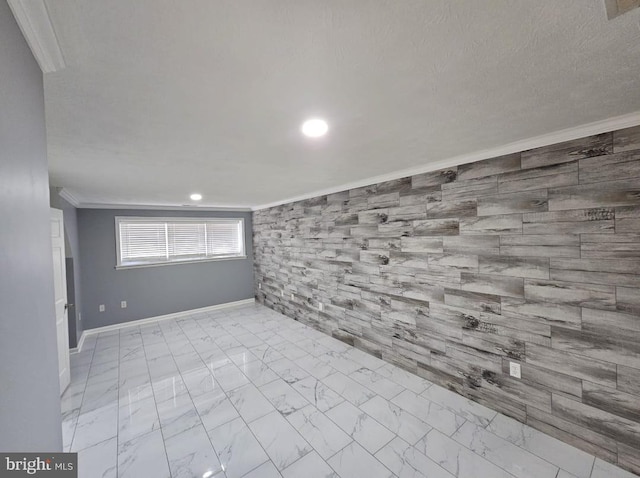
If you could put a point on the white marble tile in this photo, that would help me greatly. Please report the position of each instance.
(200, 381)
(230, 377)
(135, 388)
(507, 456)
(283, 397)
(177, 415)
(407, 462)
(376, 382)
(317, 393)
(215, 409)
(259, 373)
(237, 449)
(95, 426)
(242, 358)
(399, 421)
(365, 359)
(69, 422)
(315, 367)
(99, 395)
(429, 412)
(406, 379)
(576, 462)
(349, 388)
(457, 459)
(137, 418)
(266, 470)
(353, 461)
(100, 460)
(288, 370)
(191, 455)
(565, 474)
(280, 440)
(143, 456)
(471, 411)
(290, 351)
(602, 469)
(339, 362)
(319, 431)
(309, 466)
(360, 426)
(169, 388)
(250, 402)
(312, 347)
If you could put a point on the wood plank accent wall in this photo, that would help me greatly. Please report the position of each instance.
(532, 257)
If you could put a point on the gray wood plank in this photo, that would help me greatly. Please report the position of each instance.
(569, 293)
(629, 379)
(620, 324)
(579, 221)
(555, 175)
(472, 300)
(607, 348)
(530, 267)
(611, 400)
(472, 244)
(596, 265)
(590, 277)
(434, 178)
(618, 250)
(489, 167)
(628, 299)
(608, 424)
(552, 314)
(609, 194)
(550, 380)
(421, 244)
(529, 201)
(568, 151)
(629, 458)
(463, 262)
(499, 224)
(568, 363)
(469, 189)
(540, 245)
(612, 167)
(452, 209)
(628, 220)
(626, 139)
(492, 284)
(436, 227)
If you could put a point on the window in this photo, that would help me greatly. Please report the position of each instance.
(143, 241)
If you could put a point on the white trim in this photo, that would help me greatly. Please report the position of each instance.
(604, 126)
(69, 197)
(164, 208)
(78, 348)
(176, 315)
(36, 26)
(173, 263)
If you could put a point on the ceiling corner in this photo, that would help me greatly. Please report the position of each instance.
(36, 26)
(69, 197)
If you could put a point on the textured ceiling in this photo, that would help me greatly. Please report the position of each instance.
(163, 98)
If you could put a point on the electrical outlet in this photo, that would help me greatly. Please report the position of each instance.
(292, 298)
(259, 285)
(101, 308)
(514, 370)
(123, 304)
(79, 317)
(281, 293)
(320, 306)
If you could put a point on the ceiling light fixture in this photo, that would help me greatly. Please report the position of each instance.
(196, 197)
(315, 128)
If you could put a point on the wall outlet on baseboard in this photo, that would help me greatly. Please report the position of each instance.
(123, 304)
(514, 370)
(101, 308)
(320, 306)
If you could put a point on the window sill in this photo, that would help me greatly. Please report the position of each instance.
(176, 263)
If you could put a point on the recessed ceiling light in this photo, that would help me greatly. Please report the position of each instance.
(314, 128)
(196, 197)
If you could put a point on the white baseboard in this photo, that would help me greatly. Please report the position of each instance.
(176, 315)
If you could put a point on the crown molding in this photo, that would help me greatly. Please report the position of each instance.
(598, 127)
(36, 26)
(163, 208)
(69, 197)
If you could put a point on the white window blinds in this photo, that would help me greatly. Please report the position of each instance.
(147, 241)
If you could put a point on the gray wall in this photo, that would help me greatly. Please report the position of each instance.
(153, 291)
(30, 392)
(532, 258)
(72, 250)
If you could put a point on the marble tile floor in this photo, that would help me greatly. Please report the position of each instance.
(249, 393)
